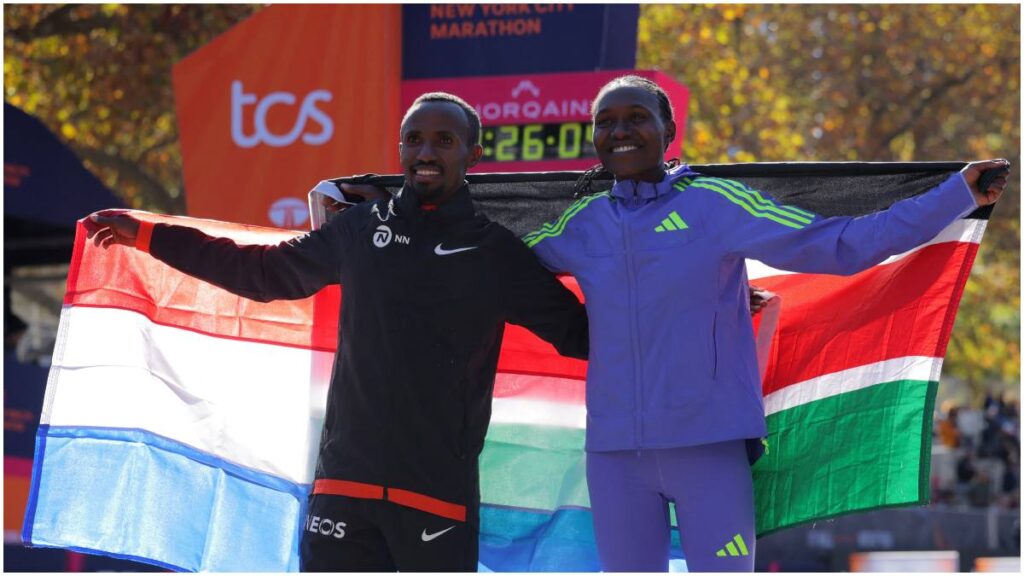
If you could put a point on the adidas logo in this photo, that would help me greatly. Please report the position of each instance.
(736, 547)
(672, 223)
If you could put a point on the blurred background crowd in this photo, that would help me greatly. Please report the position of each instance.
(976, 454)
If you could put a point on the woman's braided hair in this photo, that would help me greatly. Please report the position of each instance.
(583, 186)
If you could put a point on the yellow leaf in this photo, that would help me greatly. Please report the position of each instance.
(68, 130)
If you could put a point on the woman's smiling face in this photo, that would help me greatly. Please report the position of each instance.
(630, 136)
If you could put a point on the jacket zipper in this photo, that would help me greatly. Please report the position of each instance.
(637, 368)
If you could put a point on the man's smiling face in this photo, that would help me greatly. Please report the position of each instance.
(435, 151)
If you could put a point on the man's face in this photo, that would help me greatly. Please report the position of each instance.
(435, 150)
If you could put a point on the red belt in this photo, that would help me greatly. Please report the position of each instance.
(396, 495)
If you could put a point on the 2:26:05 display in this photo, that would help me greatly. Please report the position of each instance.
(527, 142)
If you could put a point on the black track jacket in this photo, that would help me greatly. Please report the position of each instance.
(426, 295)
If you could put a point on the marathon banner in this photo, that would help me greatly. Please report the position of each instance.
(456, 40)
(166, 389)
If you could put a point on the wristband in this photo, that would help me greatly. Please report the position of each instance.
(144, 236)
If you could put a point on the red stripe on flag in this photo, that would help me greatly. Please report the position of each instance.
(828, 323)
(124, 278)
(832, 323)
(543, 388)
(524, 353)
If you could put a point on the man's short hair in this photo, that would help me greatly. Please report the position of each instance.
(471, 116)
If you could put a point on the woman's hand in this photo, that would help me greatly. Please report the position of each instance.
(972, 174)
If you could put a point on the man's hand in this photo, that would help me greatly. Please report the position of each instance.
(972, 172)
(758, 299)
(367, 192)
(108, 227)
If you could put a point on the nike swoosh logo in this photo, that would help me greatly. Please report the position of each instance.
(442, 252)
(428, 537)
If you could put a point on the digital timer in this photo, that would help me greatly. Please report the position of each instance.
(532, 142)
(540, 122)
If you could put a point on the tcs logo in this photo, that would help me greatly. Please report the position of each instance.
(262, 135)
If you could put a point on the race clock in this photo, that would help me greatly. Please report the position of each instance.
(540, 122)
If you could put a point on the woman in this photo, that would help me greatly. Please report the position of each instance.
(673, 393)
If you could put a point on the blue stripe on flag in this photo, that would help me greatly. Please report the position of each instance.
(134, 494)
(518, 540)
(30, 506)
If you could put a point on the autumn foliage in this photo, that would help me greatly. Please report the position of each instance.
(878, 82)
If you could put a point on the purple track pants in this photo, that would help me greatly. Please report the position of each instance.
(714, 497)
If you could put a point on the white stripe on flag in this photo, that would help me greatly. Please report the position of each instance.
(246, 402)
(924, 368)
(966, 230)
(538, 412)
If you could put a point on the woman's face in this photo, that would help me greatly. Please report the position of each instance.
(629, 135)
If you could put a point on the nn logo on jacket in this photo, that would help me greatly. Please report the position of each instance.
(672, 224)
(382, 236)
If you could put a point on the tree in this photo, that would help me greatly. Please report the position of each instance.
(768, 83)
(876, 82)
(100, 77)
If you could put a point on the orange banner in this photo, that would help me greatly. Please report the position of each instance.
(289, 97)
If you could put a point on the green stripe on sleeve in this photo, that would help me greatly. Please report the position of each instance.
(683, 183)
(556, 229)
(759, 202)
(548, 226)
(744, 203)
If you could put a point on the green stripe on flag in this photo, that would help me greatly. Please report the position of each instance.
(531, 466)
(862, 450)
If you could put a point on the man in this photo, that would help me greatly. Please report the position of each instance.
(428, 286)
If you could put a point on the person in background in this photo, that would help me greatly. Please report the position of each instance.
(949, 434)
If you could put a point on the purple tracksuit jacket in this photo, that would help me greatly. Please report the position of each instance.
(672, 354)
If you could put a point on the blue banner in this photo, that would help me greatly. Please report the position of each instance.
(455, 40)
